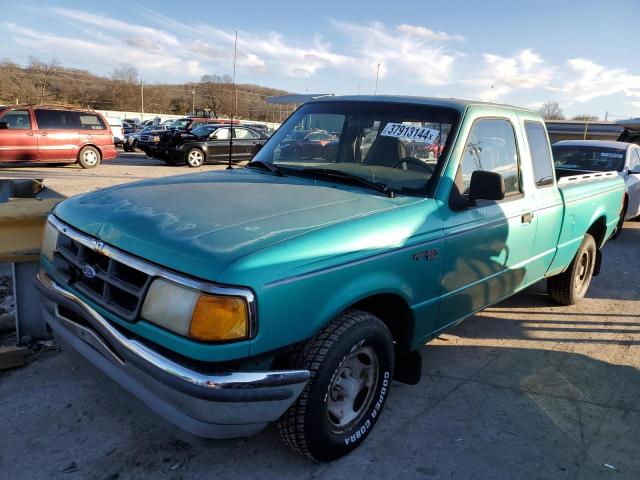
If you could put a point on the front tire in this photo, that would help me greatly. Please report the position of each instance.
(195, 158)
(569, 287)
(89, 157)
(351, 362)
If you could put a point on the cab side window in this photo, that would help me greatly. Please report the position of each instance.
(540, 154)
(491, 147)
(17, 120)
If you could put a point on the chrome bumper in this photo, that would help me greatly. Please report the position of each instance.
(211, 405)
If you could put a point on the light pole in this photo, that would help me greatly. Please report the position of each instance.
(142, 100)
(375, 92)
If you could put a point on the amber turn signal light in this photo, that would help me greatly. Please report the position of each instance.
(219, 318)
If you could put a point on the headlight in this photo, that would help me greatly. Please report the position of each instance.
(194, 314)
(49, 240)
(155, 138)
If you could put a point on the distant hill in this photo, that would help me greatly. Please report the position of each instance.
(50, 83)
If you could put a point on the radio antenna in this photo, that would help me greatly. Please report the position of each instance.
(233, 108)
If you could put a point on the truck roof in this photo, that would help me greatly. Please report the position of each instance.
(455, 103)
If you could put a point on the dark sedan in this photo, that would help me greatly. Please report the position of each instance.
(210, 143)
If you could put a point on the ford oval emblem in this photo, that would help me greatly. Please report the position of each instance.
(88, 271)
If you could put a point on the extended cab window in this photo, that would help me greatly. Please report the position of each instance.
(540, 154)
(491, 147)
(17, 120)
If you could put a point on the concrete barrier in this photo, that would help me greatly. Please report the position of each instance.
(24, 206)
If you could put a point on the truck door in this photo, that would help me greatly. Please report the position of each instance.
(18, 136)
(487, 243)
(548, 208)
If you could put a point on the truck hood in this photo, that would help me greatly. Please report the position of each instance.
(199, 224)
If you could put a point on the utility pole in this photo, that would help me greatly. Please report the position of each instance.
(359, 88)
(193, 102)
(142, 99)
(606, 115)
(375, 92)
(235, 54)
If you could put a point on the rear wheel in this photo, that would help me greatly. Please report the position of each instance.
(351, 363)
(571, 286)
(89, 157)
(195, 158)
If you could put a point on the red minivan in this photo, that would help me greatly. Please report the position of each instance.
(33, 133)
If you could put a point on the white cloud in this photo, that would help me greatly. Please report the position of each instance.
(588, 80)
(419, 31)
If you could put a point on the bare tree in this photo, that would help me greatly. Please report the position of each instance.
(551, 111)
(126, 88)
(586, 117)
(44, 72)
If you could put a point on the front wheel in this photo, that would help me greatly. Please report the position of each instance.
(89, 157)
(195, 158)
(351, 364)
(570, 286)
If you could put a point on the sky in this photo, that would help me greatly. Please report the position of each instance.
(582, 54)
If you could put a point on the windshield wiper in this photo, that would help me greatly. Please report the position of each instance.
(270, 167)
(339, 174)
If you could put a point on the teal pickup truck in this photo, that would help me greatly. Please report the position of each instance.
(296, 288)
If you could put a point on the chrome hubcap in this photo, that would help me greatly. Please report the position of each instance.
(352, 389)
(583, 270)
(195, 158)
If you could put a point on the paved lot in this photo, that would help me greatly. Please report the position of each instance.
(526, 389)
(128, 167)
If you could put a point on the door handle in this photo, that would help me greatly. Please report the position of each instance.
(30, 134)
(44, 134)
(527, 217)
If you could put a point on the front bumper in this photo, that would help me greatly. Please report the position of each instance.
(210, 405)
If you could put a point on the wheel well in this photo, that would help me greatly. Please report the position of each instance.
(598, 230)
(394, 311)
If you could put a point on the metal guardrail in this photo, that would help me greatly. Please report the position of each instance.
(24, 205)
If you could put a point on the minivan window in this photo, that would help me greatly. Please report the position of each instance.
(540, 154)
(89, 121)
(17, 120)
(56, 119)
(492, 147)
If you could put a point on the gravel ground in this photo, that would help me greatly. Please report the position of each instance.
(526, 389)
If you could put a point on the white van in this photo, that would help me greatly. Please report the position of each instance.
(116, 128)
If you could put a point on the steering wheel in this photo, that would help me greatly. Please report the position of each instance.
(416, 162)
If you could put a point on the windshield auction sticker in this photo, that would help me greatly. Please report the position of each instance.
(411, 133)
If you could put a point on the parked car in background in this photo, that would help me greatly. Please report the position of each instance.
(129, 127)
(117, 129)
(307, 144)
(575, 157)
(35, 133)
(156, 142)
(210, 143)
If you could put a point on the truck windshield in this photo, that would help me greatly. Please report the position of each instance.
(399, 147)
(593, 159)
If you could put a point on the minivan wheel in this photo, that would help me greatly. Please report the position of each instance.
(351, 363)
(89, 157)
(570, 286)
(195, 158)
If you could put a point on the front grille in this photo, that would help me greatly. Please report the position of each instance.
(111, 284)
(145, 138)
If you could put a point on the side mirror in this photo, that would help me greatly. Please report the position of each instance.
(4, 125)
(486, 186)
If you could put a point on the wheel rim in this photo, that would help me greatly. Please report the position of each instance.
(90, 157)
(195, 158)
(352, 389)
(583, 272)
